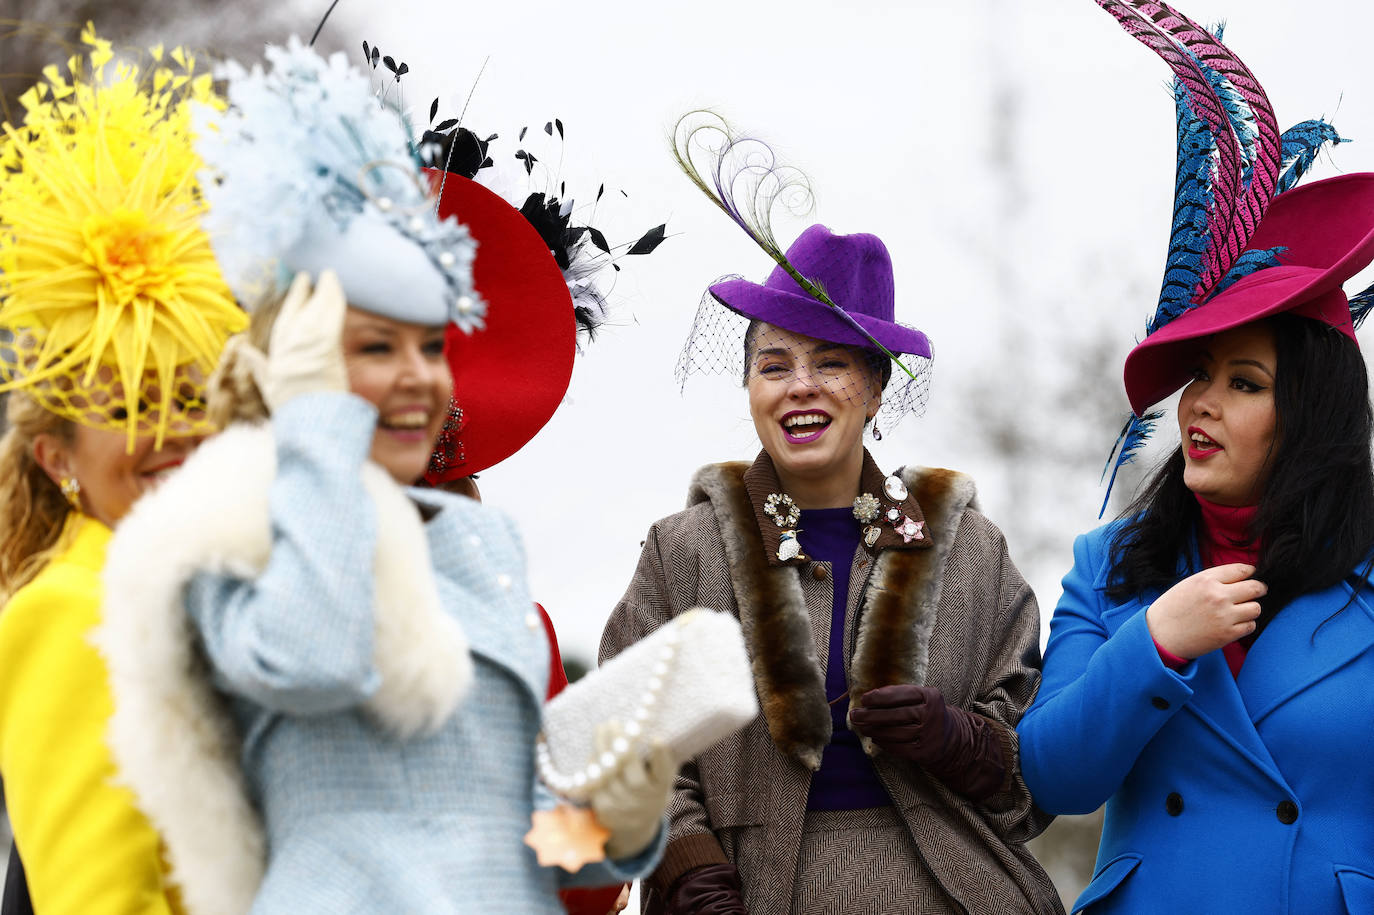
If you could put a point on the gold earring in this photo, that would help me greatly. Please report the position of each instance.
(71, 488)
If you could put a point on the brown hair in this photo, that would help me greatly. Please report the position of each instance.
(32, 507)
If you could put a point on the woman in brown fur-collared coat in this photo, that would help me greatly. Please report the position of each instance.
(894, 644)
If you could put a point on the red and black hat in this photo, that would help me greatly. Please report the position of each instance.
(508, 378)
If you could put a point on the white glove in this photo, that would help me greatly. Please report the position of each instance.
(631, 803)
(305, 352)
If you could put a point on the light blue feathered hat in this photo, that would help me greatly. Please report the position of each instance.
(309, 169)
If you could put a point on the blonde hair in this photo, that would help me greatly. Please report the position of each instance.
(32, 507)
(232, 392)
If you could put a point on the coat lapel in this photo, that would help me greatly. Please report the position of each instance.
(493, 631)
(778, 631)
(1310, 639)
(897, 610)
(1217, 702)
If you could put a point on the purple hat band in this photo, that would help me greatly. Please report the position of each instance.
(854, 270)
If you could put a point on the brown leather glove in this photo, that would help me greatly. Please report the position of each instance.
(713, 889)
(914, 723)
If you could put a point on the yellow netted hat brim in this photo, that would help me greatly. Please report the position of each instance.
(111, 301)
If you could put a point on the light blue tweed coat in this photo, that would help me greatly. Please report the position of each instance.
(358, 821)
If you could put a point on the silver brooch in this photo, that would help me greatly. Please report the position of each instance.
(788, 547)
(780, 507)
(871, 534)
(866, 508)
(895, 488)
(894, 515)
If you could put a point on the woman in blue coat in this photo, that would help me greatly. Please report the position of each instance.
(1209, 668)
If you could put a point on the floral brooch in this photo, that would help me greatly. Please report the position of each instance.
(780, 507)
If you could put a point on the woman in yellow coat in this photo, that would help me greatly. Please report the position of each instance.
(112, 314)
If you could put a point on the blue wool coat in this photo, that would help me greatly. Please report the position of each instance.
(1223, 794)
(357, 820)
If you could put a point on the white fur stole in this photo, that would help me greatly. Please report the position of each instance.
(170, 733)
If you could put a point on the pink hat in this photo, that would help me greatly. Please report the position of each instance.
(1326, 230)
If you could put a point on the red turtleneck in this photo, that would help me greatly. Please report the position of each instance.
(1221, 540)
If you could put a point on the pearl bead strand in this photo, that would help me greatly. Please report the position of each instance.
(580, 784)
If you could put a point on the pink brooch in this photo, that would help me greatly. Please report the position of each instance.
(910, 530)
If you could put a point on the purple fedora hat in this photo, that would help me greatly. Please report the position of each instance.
(854, 270)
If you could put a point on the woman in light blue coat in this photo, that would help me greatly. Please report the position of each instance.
(383, 668)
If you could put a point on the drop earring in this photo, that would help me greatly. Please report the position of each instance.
(71, 489)
(877, 433)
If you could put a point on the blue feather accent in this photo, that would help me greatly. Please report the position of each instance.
(1131, 439)
(1361, 303)
(1249, 262)
(1242, 118)
(1193, 200)
(1241, 114)
(1299, 147)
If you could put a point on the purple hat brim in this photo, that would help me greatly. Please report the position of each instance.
(802, 314)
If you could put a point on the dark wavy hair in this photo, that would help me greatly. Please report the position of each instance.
(1315, 521)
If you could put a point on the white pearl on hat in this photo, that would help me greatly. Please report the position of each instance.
(465, 304)
(385, 204)
(416, 224)
(447, 259)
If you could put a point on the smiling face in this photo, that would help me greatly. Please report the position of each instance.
(809, 400)
(400, 369)
(110, 476)
(1227, 417)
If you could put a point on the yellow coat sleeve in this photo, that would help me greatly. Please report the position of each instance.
(86, 847)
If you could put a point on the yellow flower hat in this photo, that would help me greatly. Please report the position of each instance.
(112, 308)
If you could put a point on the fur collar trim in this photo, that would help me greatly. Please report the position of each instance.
(898, 605)
(172, 739)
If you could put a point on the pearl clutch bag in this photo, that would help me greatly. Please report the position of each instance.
(686, 685)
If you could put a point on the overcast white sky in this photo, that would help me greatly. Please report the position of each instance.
(892, 109)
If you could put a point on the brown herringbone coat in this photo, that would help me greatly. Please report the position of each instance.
(949, 610)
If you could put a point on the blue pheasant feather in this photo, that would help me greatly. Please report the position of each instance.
(1249, 262)
(1129, 441)
(1300, 145)
(1361, 303)
(1193, 199)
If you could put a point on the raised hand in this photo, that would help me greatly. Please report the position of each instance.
(305, 354)
(1206, 610)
